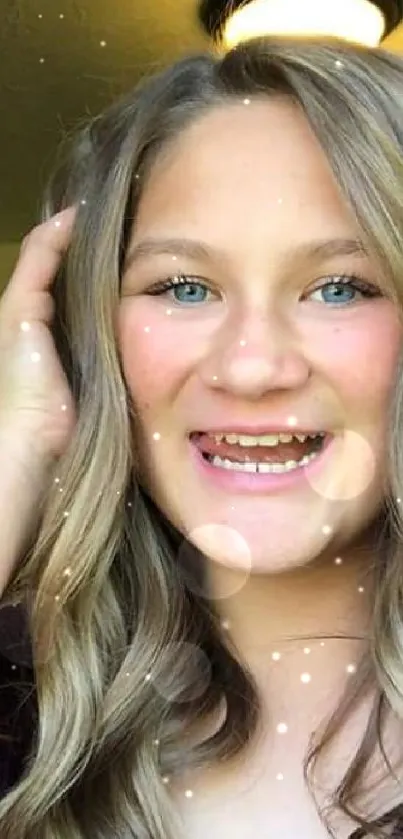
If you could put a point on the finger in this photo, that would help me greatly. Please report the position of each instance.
(40, 255)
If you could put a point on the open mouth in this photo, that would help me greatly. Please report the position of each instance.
(264, 454)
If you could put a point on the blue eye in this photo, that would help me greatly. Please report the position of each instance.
(193, 290)
(350, 283)
(187, 285)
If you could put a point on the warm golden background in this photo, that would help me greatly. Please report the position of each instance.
(63, 59)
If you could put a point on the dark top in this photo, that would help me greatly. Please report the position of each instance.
(18, 708)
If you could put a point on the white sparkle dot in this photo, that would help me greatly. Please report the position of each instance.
(398, 500)
(189, 793)
(137, 176)
(35, 356)
(67, 572)
(61, 489)
(282, 728)
(64, 407)
(292, 421)
(246, 101)
(13, 666)
(361, 589)
(57, 597)
(280, 776)
(243, 343)
(57, 223)
(103, 43)
(83, 201)
(326, 529)
(66, 514)
(351, 668)
(305, 677)
(25, 326)
(175, 258)
(57, 480)
(215, 378)
(148, 677)
(225, 624)
(338, 560)
(146, 329)
(40, 15)
(127, 674)
(276, 656)
(156, 742)
(322, 643)
(41, 61)
(61, 17)
(339, 63)
(307, 650)
(165, 779)
(129, 503)
(279, 201)
(168, 312)
(157, 436)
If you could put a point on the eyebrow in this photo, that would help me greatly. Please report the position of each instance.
(197, 250)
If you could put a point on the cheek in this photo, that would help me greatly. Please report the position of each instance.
(362, 360)
(153, 363)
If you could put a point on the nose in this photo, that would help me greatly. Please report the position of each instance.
(253, 357)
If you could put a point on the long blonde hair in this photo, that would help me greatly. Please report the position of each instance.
(113, 613)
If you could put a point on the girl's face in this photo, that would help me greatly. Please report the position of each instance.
(262, 337)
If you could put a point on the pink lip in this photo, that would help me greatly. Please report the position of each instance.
(257, 430)
(249, 482)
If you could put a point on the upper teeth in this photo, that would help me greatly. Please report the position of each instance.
(263, 439)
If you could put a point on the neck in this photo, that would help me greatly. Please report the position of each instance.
(326, 598)
(309, 622)
(304, 628)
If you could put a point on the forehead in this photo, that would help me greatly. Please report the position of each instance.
(243, 161)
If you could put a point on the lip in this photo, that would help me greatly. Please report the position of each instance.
(230, 481)
(259, 430)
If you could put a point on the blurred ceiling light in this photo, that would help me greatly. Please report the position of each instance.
(362, 21)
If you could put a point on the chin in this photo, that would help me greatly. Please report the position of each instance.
(253, 553)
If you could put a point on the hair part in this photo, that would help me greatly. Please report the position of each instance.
(128, 654)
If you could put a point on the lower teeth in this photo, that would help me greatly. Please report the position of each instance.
(262, 468)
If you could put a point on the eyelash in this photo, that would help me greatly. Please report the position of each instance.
(353, 280)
